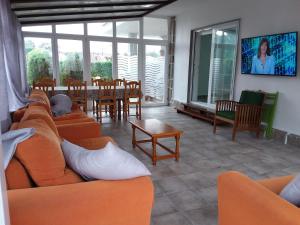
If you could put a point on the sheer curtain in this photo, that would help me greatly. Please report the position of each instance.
(13, 80)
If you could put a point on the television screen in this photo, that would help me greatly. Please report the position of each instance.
(270, 55)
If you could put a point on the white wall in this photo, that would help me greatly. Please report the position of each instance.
(258, 17)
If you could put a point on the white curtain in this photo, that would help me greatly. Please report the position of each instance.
(13, 85)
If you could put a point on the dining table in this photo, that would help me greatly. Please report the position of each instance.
(92, 93)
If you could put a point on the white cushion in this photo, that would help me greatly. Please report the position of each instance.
(109, 163)
(291, 192)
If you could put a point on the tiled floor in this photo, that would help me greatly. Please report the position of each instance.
(185, 192)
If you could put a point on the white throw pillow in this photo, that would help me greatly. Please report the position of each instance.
(109, 163)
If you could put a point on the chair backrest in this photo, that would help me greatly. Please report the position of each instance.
(95, 82)
(45, 84)
(133, 89)
(107, 90)
(252, 97)
(120, 82)
(77, 89)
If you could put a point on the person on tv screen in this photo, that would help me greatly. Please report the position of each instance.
(263, 62)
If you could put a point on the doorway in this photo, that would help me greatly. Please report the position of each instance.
(213, 63)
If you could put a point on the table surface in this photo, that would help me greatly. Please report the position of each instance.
(89, 88)
(155, 127)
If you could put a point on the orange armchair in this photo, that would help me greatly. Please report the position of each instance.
(243, 201)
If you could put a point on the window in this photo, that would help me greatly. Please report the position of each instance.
(104, 29)
(70, 60)
(128, 61)
(155, 73)
(106, 49)
(39, 29)
(38, 58)
(128, 29)
(70, 29)
(155, 28)
(214, 60)
(101, 59)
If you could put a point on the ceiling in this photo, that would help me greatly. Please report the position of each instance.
(58, 11)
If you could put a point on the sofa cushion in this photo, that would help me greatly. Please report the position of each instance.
(42, 156)
(108, 163)
(40, 98)
(252, 98)
(39, 112)
(16, 176)
(60, 104)
(227, 114)
(94, 143)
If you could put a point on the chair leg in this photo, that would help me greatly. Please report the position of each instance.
(93, 106)
(215, 125)
(125, 111)
(140, 110)
(136, 111)
(106, 109)
(234, 130)
(258, 133)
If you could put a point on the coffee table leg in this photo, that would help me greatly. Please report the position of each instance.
(133, 137)
(177, 154)
(154, 141)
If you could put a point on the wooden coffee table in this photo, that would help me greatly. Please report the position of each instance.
(156, 130)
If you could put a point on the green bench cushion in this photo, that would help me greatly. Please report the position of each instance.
(252, 98)
(226, 114)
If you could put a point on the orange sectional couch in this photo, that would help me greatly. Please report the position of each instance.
(243, 201)
(42, 190)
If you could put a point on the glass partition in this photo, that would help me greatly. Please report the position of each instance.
(155, 73)
(101, 59)
(38, 58)
(70, 60)
(128, 61)
(128, 29)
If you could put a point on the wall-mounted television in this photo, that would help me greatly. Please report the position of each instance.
(273, 55)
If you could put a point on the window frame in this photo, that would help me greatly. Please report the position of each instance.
(85, 38)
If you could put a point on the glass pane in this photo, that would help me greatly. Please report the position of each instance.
(155, 28)
(128, 29)
(38, 58)
(201, 66)
(223, 63)
(70, 60)
(100, 29)
(70, 28)
(101, 59)
(155, 73)
(40, 29)
(128, 61)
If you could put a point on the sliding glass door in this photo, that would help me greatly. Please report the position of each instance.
(213, 64)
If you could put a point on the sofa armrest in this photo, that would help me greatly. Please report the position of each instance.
(276, 184)
(88, 203)
(77, 131)
(246, 202)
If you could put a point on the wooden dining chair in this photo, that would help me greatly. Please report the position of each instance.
(132, 96)
(106, 98)
(77, 91)
(45, 84)
(120, 82)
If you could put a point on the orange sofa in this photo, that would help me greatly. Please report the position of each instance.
(42, 190)
(39, 98)
(243, 201)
